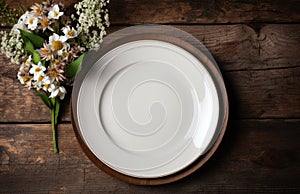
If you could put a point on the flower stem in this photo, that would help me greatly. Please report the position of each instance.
(54, 129)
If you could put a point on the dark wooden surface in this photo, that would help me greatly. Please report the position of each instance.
(257, 46)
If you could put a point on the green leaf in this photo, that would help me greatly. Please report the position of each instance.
(46, 100)
(35, 39)
(36, 57)
(75, 66)
(29, 46)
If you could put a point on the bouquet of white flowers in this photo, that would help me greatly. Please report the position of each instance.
(50, 45)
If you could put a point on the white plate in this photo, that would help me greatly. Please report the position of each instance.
(147, 108)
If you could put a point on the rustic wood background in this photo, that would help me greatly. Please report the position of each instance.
(257, 46)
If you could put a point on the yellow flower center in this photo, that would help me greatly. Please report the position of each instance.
(37, 70)
(47, 86)
(55, 13)
(38, 10)
(45, 23)
(57, 45)
(71, 33)
(40, 78)
(53, 73)
(31, 21)
(25, 79)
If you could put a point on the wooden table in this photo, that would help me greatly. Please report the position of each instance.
(257, 46)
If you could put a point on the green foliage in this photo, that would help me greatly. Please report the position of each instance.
(32, 41)
(75, 66)
(36, 40)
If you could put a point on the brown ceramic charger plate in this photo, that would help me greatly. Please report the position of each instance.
(161, 35)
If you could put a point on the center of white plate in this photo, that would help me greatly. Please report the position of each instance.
(147, 106)
(142, 108)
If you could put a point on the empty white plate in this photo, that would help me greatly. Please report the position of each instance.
(147, 108)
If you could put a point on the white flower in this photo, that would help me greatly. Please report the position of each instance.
(24, 67)
(38, 84)
(57, 91)
(37, 9)
(69, 32)
(55, 73)
(27, 63)
(24, 79)
(23, 74)
(45, 23)
(37, 71)
(21, 22)
(57, 43)
(23, 17)
(31, 22)
(54, 12)
(46, 52)
(47, 84)
(19, 25)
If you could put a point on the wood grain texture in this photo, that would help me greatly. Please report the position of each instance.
(261, 75)
(271, 93)
(194, 11)
(269, 165)
(219, 11)
(241, 47)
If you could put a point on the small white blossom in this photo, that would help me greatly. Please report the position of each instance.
(47, 84)
(54, 12)
(57, 43)
(27, 64)
(23, 74)
(31, 22)
(45, 23)
(69, 32)
(12, 45)
(21, 22)
(37, 9)
(55, 73)
(57, 91)
(25, 79)
(91, 14)
(38, 84)
(46, 52)
(37, 70)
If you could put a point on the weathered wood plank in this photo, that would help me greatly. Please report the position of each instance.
(255, 156)
(264, 94)
(194, 11)
(170, 11)
(240, 47)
